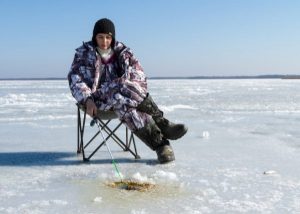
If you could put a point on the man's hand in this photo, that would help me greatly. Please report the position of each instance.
(91, 108)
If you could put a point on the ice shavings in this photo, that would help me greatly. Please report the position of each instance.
(140, 178)
(160, 174)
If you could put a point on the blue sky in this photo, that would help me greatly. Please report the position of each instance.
(169, 37)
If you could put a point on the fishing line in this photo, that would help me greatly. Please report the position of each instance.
(95, 120)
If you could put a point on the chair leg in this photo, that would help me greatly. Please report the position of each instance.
(80, 134)
(125, 146)
(130, 139)
(134, 146)
(78, 130)
(110, 134)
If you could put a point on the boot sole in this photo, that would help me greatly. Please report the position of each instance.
(178, 136)
(166, 161)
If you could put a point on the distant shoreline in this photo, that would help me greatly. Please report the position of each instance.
(191, 77)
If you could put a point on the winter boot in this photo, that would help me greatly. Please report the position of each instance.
(165, 152)
(169, 130)
(152, 137)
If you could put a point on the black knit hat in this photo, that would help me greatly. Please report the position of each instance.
(104, 26)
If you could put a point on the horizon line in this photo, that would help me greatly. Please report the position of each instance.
(266, 76)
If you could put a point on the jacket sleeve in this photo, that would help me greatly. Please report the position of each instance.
(132, 85)
(133, 81)
(78, 87)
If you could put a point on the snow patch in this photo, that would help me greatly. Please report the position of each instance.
(205, 134)
(98, 199)
(270, 172)
(174, 107)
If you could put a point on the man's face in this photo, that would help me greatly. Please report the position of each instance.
(103, 40)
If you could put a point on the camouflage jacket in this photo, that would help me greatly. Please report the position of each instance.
(110, 85)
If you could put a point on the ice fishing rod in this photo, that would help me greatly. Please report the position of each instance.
(95, 121)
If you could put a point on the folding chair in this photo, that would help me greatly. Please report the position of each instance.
(104, 118)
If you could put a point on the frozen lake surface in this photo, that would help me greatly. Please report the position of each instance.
(240, 155)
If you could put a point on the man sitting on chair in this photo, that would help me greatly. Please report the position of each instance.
(105, 75)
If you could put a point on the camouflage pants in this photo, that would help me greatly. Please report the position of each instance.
(125, 108)
(132, 118)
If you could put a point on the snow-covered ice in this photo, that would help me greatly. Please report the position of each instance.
(240, 155)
